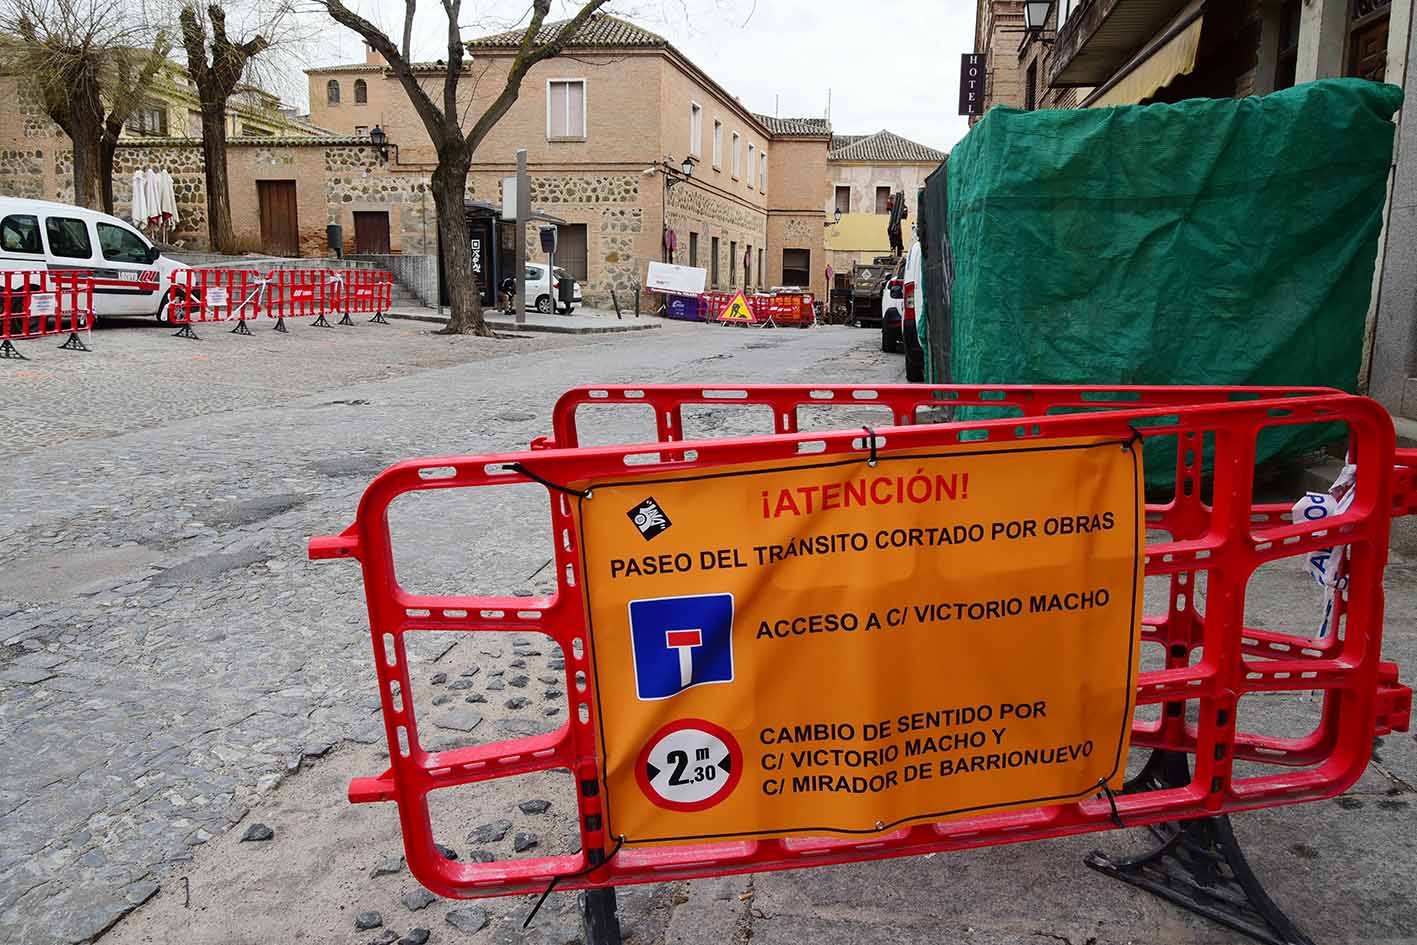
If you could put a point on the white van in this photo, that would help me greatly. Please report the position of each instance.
(38, 234)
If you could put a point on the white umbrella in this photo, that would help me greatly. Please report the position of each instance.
(169, 200)
(152, 196)
(140, 206)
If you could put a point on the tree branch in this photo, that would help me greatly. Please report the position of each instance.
(433, 120)
(408, 9)
(455, 53)
(527, 56)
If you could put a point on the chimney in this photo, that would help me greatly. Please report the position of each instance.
(371, 57)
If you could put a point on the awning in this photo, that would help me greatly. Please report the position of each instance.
(1171, 54)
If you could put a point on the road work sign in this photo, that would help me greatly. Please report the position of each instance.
(738, 310)
(826, 646)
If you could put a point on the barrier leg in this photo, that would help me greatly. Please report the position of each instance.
(346, 320)
(601, 924)
(185, 332)
(1198, 865)
(379, 319)
(241, 328)
(75, 343)
(9, 352)
(280, 326)
(321, 323)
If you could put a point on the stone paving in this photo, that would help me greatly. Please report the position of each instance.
(167, 654)
(171, 664)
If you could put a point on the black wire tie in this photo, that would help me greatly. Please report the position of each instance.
(551, 886)
(547, 482)
(871, 442)
(1111, 801)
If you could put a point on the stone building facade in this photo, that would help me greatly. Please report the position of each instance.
(632, 106)
(631, 109)
(862, 169)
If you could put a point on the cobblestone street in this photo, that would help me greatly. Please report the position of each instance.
(171, 664)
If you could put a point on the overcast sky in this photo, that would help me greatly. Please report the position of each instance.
(888, 63)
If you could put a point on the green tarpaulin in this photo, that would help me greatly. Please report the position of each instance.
(1225, 241)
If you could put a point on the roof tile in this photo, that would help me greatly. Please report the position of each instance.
(795, 127)
(601, 30)
(882, 146)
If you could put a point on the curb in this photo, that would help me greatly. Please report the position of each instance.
(500, 325)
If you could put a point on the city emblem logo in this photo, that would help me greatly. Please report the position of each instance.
(681, 642)
(649, 518)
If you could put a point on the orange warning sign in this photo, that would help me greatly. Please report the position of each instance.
(738, 310)
(824, 646)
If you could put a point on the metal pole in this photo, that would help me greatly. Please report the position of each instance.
(523, 212)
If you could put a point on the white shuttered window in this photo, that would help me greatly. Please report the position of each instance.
(565, 108)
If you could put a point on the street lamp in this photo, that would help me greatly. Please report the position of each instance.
(671, 177)
(380, 141)
(1035, 18)
(836, 218)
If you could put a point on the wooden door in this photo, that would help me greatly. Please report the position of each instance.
(1369, 52)
(571, 252)
(371, 231)
(280, 230)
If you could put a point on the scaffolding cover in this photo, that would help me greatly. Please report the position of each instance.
(1213, 241)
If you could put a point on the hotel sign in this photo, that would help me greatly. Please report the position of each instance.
(971, 83)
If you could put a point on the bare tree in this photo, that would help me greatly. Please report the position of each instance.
(216, 66)
(132, 73)
(91, 61)
(454, 145)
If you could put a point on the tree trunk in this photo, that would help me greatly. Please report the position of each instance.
(107, 150)
(85, 136)
(219, 230)
(464, 294)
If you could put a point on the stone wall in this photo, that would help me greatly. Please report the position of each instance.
(611, 206)
(22, 172)
(184, 163)
(355, 179)
(707, 212)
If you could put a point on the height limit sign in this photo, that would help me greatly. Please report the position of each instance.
(689, 765)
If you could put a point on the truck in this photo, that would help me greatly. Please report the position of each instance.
(868, 281)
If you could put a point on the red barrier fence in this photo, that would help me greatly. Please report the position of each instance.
(240, 295)
(42, 302)
(767, 310)
(216, 295)
(367, 292)
(1206, 664)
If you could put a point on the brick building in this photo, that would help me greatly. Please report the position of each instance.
(598, 127)
(863, 171)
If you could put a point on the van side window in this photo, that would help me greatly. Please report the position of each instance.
(68, 237)
(120, 244)
(19, 233)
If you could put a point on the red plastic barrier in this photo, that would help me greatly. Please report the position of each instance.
(903, 402)
(41, 302)
(217, 295)
(318, 293)
(769, 310)
(1190, 697)
(366, 292)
